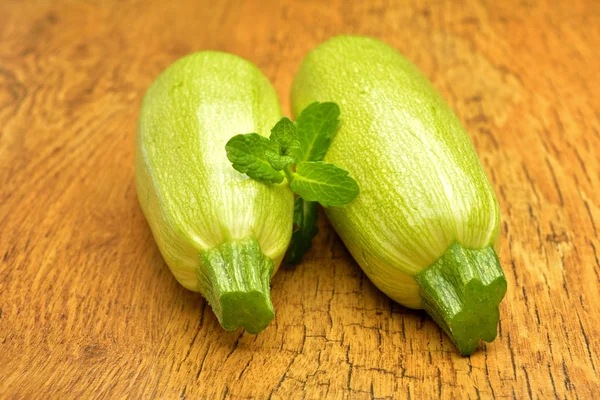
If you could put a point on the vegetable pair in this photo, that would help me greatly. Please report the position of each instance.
(424, 226)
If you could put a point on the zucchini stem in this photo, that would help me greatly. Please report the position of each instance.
(461, 291)
(235, 280)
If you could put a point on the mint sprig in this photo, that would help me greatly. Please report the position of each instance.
(295, 150)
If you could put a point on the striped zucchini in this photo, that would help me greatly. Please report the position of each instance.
(220, 233)
(425, 227)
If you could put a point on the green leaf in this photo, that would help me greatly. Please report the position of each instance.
(326, 183)
(284, 147)
(247, 155)
(305, 229)
(316, 126)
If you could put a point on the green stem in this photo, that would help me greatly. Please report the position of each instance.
(289, 174)
(305, 229)
(234, 277)
(462, 291)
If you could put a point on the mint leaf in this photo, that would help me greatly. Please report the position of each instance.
(305, 229)
(247, 155)
(326, 183)
(284, 147)
(316, 126)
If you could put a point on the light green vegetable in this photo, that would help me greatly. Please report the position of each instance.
(425, 226)
(295, 151)
(221, 234)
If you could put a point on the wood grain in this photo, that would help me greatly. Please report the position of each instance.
(88, 307)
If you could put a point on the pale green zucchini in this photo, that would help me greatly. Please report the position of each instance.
(221, 234)
(425, 226)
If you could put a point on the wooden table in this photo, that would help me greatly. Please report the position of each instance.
(88, 307)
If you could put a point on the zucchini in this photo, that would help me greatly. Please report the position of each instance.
(220, 233)
(425, 227)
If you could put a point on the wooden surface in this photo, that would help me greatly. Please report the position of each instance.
(89, 309)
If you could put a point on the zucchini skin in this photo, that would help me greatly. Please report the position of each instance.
(422, 187)
(192, 198)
